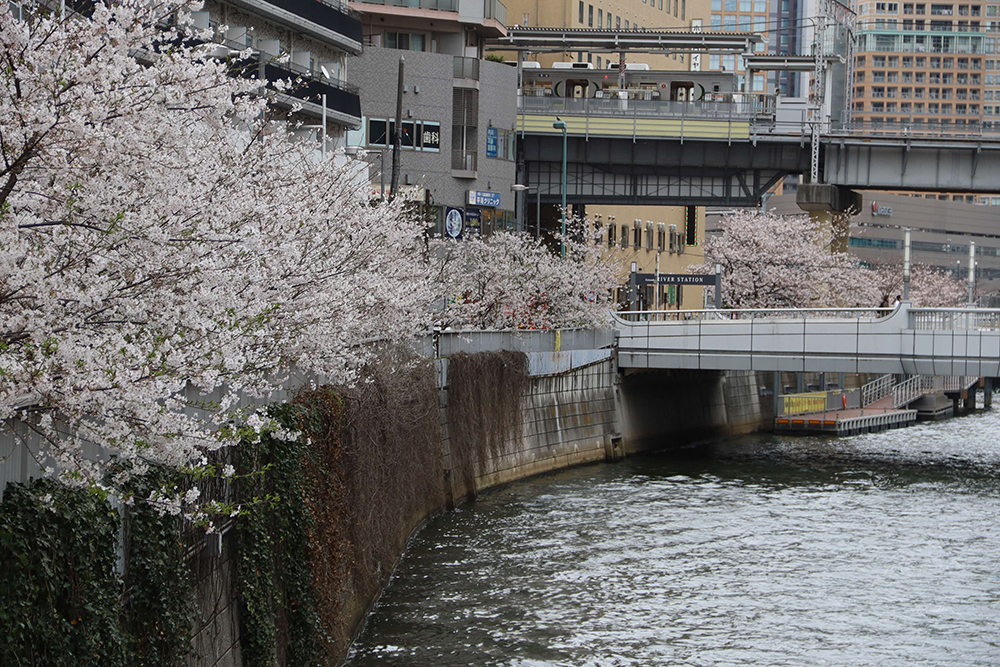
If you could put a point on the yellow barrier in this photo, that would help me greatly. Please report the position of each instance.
(695, 128)
(800, 404)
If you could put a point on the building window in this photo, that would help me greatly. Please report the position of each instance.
(404, 41)
(590, 15)
(580, 19)
(600, 18)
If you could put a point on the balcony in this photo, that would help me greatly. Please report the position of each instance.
(466, 68)
(343, 102)
(326, 20)
(463, 163)
(497, 11)
(437, 5)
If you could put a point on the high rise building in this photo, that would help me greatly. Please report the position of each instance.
(928, 67)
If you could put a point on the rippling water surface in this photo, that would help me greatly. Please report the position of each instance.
(881, 549)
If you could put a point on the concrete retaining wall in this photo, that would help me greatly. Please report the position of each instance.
(569, 419)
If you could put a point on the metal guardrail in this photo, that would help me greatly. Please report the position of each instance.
(464, 160)
(763, 112)
(712, 314)
(876, 390)
(907, 391)
(867, 423)
(958, 382)
(955, 319)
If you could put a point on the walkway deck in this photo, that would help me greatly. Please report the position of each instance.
(878, 416)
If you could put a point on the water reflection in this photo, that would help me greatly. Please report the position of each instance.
(872, 550)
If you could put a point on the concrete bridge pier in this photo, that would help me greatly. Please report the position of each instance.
(830, 205)
(987, 393)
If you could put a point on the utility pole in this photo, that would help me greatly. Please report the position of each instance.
(397, 135)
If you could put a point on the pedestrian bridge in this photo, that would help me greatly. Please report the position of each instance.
(906, 340)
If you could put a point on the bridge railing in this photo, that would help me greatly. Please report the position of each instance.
(927, 126)
(712, 314)
(955, 319)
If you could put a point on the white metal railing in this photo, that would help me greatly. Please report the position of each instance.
(958, 382)
(931, 383)
(711, 314)
(907, 391)
(876, 390)
(955, 319)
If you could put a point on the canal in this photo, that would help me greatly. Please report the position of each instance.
(879, 549)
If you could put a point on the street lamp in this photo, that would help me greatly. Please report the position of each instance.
(519, 189)
(561, 125)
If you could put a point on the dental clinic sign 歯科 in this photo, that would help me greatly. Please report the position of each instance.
(484, 198)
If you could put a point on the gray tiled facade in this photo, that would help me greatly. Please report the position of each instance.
(429, 87)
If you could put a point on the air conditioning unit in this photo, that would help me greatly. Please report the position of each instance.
(237, 35)
(271, 47)
(200, 20)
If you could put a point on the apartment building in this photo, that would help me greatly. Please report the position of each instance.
(303, 40)
(458, 115)
(921, 63)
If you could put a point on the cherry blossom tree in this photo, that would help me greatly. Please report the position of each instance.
(771, 261)
(511, 280)
(160, 237)
(930, 287)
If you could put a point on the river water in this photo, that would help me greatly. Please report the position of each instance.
(881, 549)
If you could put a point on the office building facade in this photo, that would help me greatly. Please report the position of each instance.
(456, 158)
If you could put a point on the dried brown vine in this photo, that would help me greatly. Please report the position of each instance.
(375, 473)
(485, 407)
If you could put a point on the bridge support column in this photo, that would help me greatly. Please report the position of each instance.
(970, 399)
(829, 205)
(987, 393)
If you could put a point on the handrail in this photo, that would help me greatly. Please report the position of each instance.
(876, 390)
(637, 316)
(955, 319)
(907, 391)
(958, 382)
